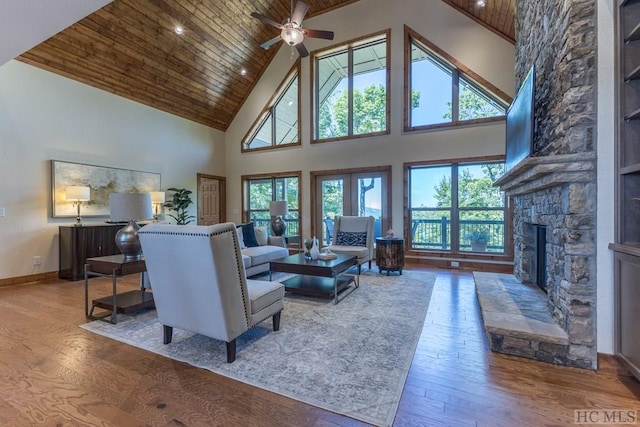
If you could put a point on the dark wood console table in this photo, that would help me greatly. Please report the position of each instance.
(77, 243)
(125, 302)
(389, 254)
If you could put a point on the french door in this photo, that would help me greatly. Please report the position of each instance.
(357, 193)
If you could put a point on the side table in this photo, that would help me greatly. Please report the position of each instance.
(125, 302)
(389, 254)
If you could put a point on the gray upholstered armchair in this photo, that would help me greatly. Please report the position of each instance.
(353, 235)
(199, 283)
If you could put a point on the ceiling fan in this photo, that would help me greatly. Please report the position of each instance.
(291, 31)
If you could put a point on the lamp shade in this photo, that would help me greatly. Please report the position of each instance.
(157, 196)
(278, 207)
(130, 206)
(78, 193)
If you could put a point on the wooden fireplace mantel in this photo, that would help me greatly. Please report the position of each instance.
(538, 173)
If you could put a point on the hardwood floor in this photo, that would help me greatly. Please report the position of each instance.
(54, 373)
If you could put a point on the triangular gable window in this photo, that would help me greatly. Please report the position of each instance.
(440, 93)
(279, 123)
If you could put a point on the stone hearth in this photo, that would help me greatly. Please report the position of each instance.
(517, 319)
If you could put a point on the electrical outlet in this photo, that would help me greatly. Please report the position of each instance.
(2, 212)
(455, 264)
(37, 260)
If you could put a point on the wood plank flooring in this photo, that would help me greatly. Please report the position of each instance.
(54, 373)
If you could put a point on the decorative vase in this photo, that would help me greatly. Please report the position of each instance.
(308, 244)
(315, 250)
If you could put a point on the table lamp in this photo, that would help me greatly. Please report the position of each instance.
(277, 209)
(157, 199)
(78, 194)
(129, 207)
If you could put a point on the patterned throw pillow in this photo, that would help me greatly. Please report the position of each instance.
(346, 238)
(249, 235)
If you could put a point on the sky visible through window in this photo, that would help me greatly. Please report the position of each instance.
(423, 181)
(434, 86)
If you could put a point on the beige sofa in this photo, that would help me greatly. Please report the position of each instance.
(256, 258)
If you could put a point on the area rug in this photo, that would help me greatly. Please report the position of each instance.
(351, 358)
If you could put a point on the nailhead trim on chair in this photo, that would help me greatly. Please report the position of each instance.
(239, 264)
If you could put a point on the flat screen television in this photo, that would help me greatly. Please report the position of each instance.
(520, 122)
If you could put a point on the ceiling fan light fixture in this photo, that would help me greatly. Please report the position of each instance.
(292, 36)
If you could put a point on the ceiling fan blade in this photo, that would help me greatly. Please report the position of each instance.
(318, 34)
(302, 50)
(269, 43)
(299, 12)
(266, 20)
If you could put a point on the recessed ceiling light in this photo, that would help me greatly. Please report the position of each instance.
(243, 72)
(481, 3)
(178, 29)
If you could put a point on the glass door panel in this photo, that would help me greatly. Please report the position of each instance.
(332, 196)
(357, 194)
(369, 201)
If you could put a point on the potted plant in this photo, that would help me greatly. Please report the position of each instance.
(478, 240)
(179, 203)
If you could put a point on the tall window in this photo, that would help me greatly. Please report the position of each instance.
(259, 190)
(351, 89)
(454, 207)
(279, 123)
(439, 93)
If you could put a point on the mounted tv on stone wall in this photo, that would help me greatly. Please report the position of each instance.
(520, 122)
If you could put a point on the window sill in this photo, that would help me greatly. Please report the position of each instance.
(453, 125)
(350, 137)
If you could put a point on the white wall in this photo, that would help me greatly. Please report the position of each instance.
(476, 47)
(28, 23)
(44, 116)
(606, 173)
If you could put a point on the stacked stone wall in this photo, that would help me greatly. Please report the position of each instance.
(558, 36)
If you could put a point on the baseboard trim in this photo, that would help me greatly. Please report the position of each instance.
(463, 264)
(11, 281)
(609, 364)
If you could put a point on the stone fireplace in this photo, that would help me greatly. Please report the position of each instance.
(556, 187)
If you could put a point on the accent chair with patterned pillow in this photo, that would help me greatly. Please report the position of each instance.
(353, 235)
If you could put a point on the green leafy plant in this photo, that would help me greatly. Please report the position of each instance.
(478, 236)
(179, 203)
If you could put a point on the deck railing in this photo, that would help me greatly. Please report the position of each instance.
(435, 233)
(427, 233)
(293, 225)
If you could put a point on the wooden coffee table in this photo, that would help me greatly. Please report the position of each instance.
(316, 277)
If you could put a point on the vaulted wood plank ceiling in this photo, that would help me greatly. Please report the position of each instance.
(130, 48)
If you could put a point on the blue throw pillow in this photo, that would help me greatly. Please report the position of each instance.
(354, 238)
(249, 235)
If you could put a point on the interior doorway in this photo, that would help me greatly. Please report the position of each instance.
(357, 192)
(211, 199)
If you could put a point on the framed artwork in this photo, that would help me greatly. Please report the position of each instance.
(101, 180)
